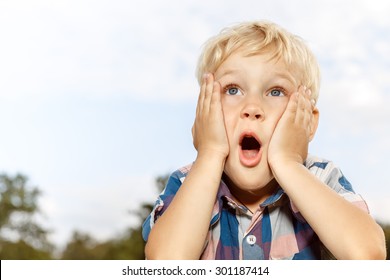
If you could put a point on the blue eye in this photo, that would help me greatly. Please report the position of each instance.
(232, 90)
(276, 92)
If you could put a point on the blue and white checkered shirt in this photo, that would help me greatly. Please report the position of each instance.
(275, 231)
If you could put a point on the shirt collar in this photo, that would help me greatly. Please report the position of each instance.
(225, 200)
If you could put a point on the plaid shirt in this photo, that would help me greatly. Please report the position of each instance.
(275, 231)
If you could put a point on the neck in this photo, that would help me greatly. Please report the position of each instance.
(250, 198)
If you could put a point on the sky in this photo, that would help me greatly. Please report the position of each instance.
(97, 98)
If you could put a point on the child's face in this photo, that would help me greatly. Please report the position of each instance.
(255, 93)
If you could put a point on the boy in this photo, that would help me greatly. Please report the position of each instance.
(253, 191)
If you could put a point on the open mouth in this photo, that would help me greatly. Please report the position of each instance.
(250, 149)
(249, 143)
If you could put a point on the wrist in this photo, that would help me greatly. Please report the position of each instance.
(211, 155)
(211, 164)
(281, 164)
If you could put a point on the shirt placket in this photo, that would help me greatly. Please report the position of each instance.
(251, 241)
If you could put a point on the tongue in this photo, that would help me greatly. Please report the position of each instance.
(250, 153)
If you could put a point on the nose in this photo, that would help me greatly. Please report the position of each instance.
(252, 110)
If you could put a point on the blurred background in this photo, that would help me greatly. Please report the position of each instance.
(97, 100)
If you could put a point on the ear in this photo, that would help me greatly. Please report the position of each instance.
(314, 123)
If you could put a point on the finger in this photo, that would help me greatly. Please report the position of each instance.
(308, 103)
(208, 93)
(194, 140)
(308, 114)
(301, 106)
(216, 94)
(193, 130)
(312, 100)
(201, 97)
(291, 108)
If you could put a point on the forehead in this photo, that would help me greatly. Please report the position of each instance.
(265, 63)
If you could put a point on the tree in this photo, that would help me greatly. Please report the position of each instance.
(21, 237)
(129, 246)
(80, 247)
(132, 245)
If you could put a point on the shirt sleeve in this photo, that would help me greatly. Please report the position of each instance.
(163, 201)
(332, 176)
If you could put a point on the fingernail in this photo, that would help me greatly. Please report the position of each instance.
(205, 76)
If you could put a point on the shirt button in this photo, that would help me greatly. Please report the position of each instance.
(251, 239)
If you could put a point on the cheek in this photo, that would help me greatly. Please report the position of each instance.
(276, 108)
(273, 114)
(230, 122)
(276, 103)
(231, 117)
(229, 108)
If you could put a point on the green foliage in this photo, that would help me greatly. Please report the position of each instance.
(23, 238)
(130, 246)
(80, 247)
(18, 205)
(83, 247)
(20, 236)
(20, 250)
(15, 197)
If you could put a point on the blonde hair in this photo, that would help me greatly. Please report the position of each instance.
(259, 37)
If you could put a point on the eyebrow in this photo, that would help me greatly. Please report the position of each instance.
(285, 75)
(229, 71)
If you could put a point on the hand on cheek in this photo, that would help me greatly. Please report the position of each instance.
(291, 137)
(208, 131)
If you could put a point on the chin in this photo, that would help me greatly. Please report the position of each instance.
(253, 185)
(249, 180)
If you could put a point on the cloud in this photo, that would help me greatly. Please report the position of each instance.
(108, 48)
(97, 48)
